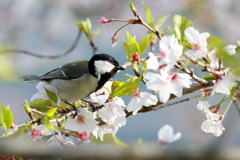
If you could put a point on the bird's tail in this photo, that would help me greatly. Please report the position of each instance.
(31, 78)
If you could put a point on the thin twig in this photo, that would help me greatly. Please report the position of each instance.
(140, 21)
(73, 46)
(190, 72)
(206, 68)
(170, 104)
(237, 106)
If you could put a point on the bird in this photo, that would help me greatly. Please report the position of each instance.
(77, 80)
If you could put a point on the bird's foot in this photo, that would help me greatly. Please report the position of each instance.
(92, 105)
(73, 107)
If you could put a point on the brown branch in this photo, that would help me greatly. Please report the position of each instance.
(140, 21)
(94, 47)
(170, 104)
(190, 72)
(73, 46)
(206, 68)
(185, 91)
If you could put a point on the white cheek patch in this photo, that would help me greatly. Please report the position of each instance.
(102, 67)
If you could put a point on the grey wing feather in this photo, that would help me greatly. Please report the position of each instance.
(68, 71)
(54, 74)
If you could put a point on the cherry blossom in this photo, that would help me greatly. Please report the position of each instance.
(161, 84)
(214, 64)
(83, 122)
(213, 125)
(42, 92)
(231, 49)
(141, 99)
(166, 135)
(170, 50)
(102, 94)
(223, 84)
(113, 112)
(198, 42)
(181, 80)
(203, 106)
(60, 140)
(101, 130)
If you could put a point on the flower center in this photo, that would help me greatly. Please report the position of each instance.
(137, 93)
(80, 119)
(196, 46)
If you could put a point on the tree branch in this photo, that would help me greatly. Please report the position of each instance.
(73, 46)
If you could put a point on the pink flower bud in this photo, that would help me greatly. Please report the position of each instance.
(104, 20)
(135, 57)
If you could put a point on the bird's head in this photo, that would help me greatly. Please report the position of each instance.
(103, 67)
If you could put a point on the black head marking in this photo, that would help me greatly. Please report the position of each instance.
(104, 77)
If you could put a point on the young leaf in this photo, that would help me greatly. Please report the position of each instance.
(6, 117)
(148, 15)
(160, 21)
(50, 112)
(85, 27)
(42, 105)
(133, 45)
(47, 123)
(127, 49)
(214, 42)
(144, 43)
(180, 24)
(126, 88)
(52, 95)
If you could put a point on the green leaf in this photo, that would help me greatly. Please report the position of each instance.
(85, 27)
(160, 21)
(214, 42)
(125, 88)
(133, 45)
(233, 91)
(180, 24)
(42, 105)
(148, 15)
(209, 77)
(52, 95)
(50, 112)
(109, 139)
(127, 49)
(27, 107)
(6, 117)
(144, 43)
(47, 123)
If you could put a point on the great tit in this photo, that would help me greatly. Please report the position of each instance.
(76, 80)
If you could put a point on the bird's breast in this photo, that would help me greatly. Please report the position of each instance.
(75, 89)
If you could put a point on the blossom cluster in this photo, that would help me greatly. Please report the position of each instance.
(163, 78)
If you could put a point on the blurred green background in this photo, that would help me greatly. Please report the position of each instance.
(47, 27)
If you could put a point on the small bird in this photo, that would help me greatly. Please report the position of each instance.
(76, 80)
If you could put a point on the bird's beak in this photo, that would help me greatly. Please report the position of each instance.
(120, 68)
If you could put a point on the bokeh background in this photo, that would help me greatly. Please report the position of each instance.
(47, 27)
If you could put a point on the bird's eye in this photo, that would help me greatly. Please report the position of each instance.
(112, 61)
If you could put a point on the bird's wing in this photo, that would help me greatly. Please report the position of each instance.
(54, 74)
(75, 69)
